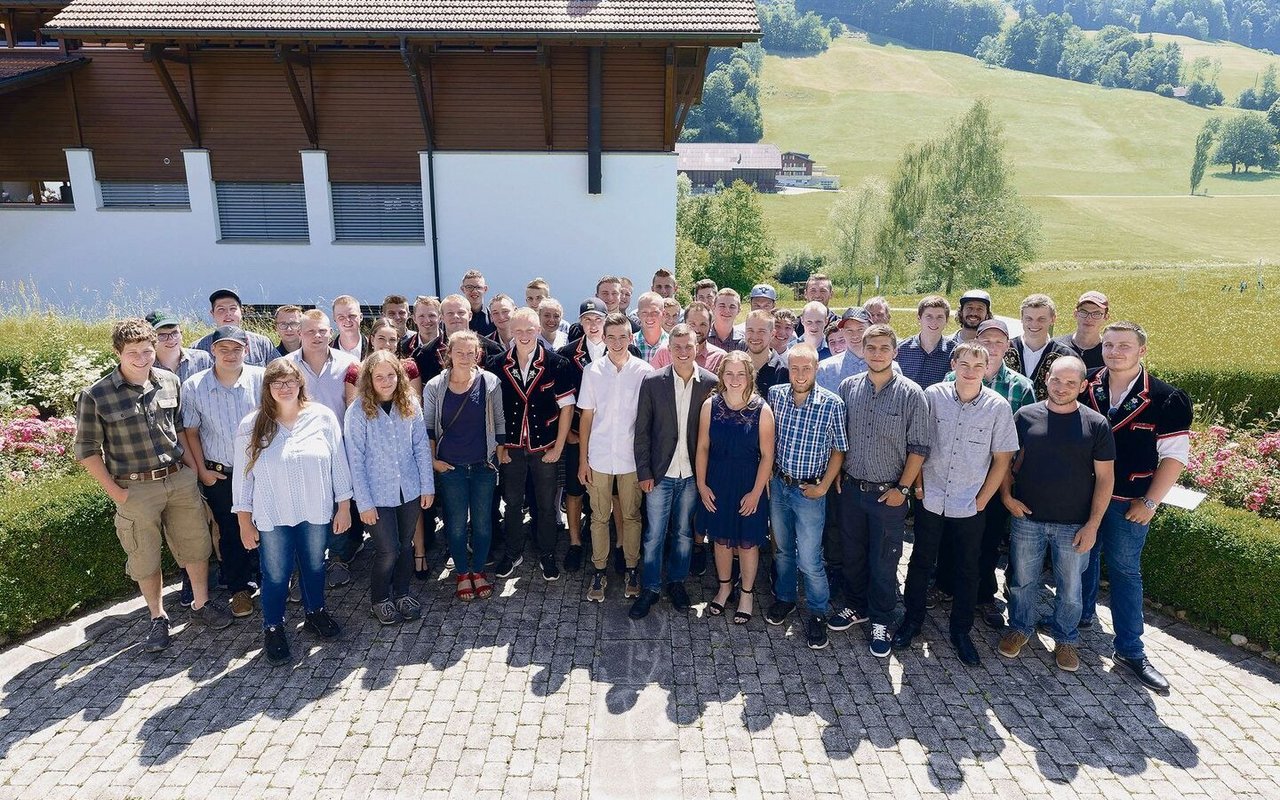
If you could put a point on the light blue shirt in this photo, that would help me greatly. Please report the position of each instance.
(298, 477)
(390, 456)
(833, 370)
(261, 351)
(328, 386)
(216, 410)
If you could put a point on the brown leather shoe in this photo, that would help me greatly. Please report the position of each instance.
(1012, 643)
(1067, 657)
(241, 603)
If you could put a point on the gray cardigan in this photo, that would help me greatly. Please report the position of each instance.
(433, 410)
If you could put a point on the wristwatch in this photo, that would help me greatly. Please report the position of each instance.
(1149, 503)
(906, 490)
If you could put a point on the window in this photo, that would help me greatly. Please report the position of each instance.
(262, 212)
(378, 212)
(36, 193)
(133, 194)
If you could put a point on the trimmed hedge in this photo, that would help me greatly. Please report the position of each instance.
(1256, 392)
(1221, 565)
(58, 553)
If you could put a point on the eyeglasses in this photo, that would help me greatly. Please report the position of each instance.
(289, 326)
(1090, 314)
(169, 336)
(472, 287)
(285, 384)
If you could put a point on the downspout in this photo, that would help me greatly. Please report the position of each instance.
(411, 64)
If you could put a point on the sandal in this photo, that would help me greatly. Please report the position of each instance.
(713, 608)
(742, 617)
(465, 592)
(484, 589)
(420, 570)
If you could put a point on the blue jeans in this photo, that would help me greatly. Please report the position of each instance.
(1122, 541)
(871, 536)
(278, 550)
(671, 501)
(468, 491)
(797, 537)
(1028, 541)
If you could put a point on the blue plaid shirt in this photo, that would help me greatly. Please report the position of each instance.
(804, 436)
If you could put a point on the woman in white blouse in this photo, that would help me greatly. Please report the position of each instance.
(392, 478)
(284, 492)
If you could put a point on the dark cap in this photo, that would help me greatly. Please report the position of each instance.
(162, 319)
(976, 294)
(857, 313)
(221, 293)
(229, 333)
(994, 325)
(592, 305)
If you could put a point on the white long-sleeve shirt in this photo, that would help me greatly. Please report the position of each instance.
(298, 477)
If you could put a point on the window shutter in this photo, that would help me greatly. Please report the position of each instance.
(132, 194)
(379, 212)
(262, 211)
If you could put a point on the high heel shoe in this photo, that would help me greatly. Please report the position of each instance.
(716, 609)
(741, 617)
(420, 570)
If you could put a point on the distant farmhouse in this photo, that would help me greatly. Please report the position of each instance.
(759, 165)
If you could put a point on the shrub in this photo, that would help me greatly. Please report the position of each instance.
(1221, 565)
(1239, 394)
(58, 552)
(1240, 468)
(34, 449)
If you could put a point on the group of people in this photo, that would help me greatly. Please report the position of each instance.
(675, 431)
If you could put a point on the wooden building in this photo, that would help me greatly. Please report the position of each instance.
(794, 163)
(710, 164)
(298, 150)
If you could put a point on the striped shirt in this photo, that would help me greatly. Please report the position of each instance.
(189, 363)
(328, 386)
(298, 477)
(884, 426)
(133, 428)
(216, 410)
(390, 456)
(262, 351)
(806, 435)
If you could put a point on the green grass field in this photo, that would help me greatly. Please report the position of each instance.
(1241, 66)
(1105, 168)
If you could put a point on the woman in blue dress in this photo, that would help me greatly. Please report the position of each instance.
(734, 462)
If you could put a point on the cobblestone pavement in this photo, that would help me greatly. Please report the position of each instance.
(536, 693)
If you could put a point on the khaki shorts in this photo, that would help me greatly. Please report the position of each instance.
(172, 505)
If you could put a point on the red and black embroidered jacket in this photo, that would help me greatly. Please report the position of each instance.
(531, 407)
(1153, 410)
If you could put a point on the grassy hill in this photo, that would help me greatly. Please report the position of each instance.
(1241, 66)
(1105, 168)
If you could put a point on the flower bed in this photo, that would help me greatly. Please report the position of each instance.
(32, 448)
(1240, 467)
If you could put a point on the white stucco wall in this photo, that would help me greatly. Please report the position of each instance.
(512, 215)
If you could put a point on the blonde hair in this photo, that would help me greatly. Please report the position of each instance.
(401, 397)
(463, 337)
(738, 357)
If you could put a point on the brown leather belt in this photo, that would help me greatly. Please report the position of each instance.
(787, 480)
(153, 475)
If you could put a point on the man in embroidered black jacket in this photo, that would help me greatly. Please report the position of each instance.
(1151, 422)
(537, 403)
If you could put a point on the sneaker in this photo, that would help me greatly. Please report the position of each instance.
(779, 611)
(881, 641)
(186, 598)
(679, 597)
(506, 567)
(275, 647)
(816, 633)
(598, 581)
(631, 583)
(157, 637)
(385, 612)
(1067, 657)
(846, 618)
(321, 624)
(212, 615)
(1012, 643)
(337, 574)
(573, 558)
(550, 572)
(698, 561)
(932, 598)
(640, 608)
(409, 607)
(241, 604)
(295, 589)
(991, 614)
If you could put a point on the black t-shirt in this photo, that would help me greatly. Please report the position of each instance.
(1055, 477)
(1092, 357)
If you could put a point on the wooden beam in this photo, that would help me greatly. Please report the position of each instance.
(70, 82)
(669, 101)
(305, 114)
(544, 75)
(691, 95)
(155, 54)
(595, 94)
(414, 64)
(11, 28)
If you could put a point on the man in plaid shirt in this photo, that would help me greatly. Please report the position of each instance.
(128, 429)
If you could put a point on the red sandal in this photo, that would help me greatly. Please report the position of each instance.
(484, 590)
(466, 591)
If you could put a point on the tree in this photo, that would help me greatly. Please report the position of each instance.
(1204, 141)
(1273, 116)
(973, 240)
(729, 227)
(850, 232)
(1247, 140)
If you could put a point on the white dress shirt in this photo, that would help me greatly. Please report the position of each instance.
(613, 395)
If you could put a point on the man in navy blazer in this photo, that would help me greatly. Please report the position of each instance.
(665, 441)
